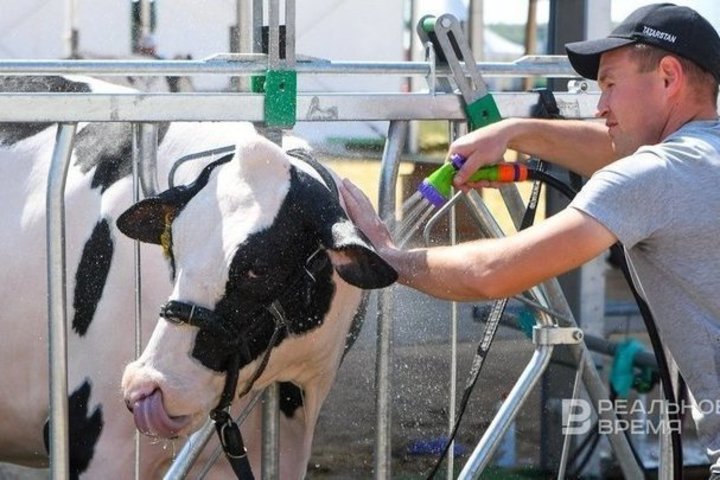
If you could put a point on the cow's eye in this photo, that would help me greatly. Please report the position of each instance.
(258, 271)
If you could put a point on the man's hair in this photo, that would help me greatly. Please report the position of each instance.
(648, 57)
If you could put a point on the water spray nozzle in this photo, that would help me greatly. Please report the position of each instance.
(436, 188)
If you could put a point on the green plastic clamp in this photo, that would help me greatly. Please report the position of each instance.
(257, 83)
(482, 112)
(280, 98)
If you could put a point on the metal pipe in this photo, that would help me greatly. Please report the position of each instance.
(596, 391)
(136, 166)
(397, 134)
(567, 440)
(290, 34)
(666, 466)
(271, 433)
(69, 38)
(194, 446)
(506, 414)
(455, 129)
(57, 300)
(145, 19)
(233, 106)
(244, 64)
(147, 143)
(541, 358)
(270, 451)
(191, 450)
(273, 34)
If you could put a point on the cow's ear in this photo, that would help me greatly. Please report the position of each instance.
(148, 220)
(352, 255)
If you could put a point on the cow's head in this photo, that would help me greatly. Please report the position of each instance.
(254, 230)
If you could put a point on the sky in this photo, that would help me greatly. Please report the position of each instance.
(513, 11)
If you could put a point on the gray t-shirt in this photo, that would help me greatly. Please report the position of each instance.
(663, 204)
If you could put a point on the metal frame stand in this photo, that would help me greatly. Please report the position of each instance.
(547, 334)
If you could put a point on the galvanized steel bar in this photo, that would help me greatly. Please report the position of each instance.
(397, 134)
(147, 143)
(137, 160)
(273, 34)
(160, 107)
(194, 446)
(245, 64)
(290, 34)
(455, 130)
(57, 301)
(271, 433)
(509, 409)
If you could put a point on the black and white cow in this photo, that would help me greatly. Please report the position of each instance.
(242, 238)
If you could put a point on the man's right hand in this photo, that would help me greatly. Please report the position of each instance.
(485, 146)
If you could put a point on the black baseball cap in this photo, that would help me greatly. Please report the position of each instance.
(678, 30)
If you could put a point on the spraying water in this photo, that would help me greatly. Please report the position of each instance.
(435, 190)
(415, 212)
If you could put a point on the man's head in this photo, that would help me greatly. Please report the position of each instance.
(657, 70)
(678, 30)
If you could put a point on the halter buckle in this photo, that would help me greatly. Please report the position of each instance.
(231, 440)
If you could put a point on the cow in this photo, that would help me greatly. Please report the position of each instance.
(254, 243)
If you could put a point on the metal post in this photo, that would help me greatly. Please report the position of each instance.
(57, 301)
(457, 129)
(566, 25)
(666, 466)
(145, 18)
(271, 429)
(397, 134)
(136, 168)
(146, 141)
(144, 163)
(490, 441)
(71, 34)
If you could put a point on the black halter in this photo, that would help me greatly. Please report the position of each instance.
(178, 312)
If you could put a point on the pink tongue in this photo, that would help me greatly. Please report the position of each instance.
(152, 419)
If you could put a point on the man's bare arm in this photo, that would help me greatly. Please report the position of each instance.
(582, 146)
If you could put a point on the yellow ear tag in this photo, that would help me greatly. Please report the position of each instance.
(166, 236)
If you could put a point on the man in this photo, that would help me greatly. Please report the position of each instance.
(654, 169)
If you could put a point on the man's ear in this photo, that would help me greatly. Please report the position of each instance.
(672, 73)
